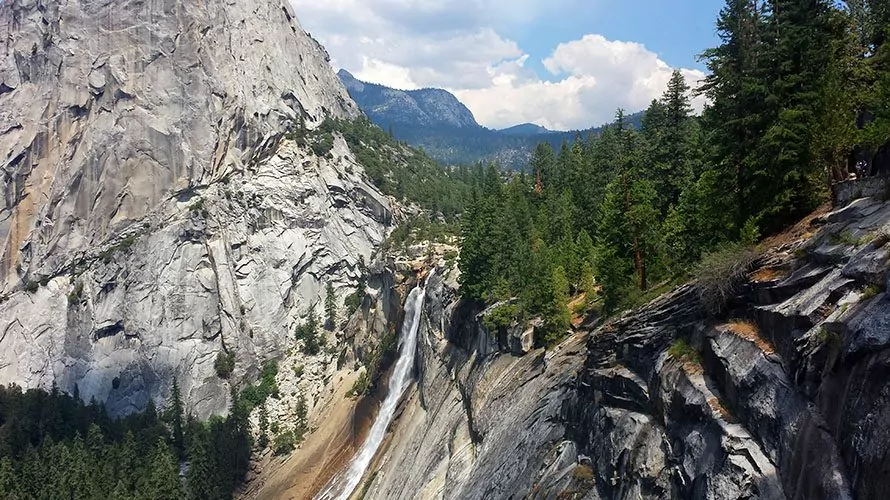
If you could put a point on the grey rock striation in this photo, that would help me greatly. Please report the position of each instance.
(155, 216)
(784, 396)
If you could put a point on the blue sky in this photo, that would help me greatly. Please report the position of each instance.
(675, 30)
(562, 64)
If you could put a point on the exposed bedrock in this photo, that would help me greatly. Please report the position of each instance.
(784, 397)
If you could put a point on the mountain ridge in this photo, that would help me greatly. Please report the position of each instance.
(436, 121)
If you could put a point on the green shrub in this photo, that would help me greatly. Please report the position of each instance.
(361, 385)
(352, 303)
(721, 274)
(872, 291)
(501, 317)
(829, 338)
(308, 333)
(846, 238)
(122, 246)
(197, 205)
(255, 395)
(31, 286)
(684, 353)
(224, 364)
(323, 144)
(284, 443)
(76, 294)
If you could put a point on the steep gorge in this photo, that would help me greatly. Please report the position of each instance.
(162, 209)
(782, 395)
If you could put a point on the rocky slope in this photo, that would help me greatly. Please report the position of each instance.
(154, 215)
(782, 395)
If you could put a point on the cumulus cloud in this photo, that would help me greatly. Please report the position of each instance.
(439, 44)
(457, 45)
(594, 77)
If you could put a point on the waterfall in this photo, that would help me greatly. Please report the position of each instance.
(344, 483)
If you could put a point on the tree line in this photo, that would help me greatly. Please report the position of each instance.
(799, 97)
(54, 446)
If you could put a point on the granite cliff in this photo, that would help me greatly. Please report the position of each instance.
(155, 215)
(167, 203)
(780, 394)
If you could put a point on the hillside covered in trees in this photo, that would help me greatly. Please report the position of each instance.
(52, 445)
(799, 98)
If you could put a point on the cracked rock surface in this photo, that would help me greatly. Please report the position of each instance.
(154, 215)
(785, 396)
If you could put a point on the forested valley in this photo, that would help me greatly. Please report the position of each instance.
(799, 98)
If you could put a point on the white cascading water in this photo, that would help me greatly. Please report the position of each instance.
(343, 484)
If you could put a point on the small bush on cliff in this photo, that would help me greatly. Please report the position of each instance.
(361, 385)
(76, 294)
(872, 291)
(684, 353)
(501, 317)
(284, 443)
(224, 364)
(255, 395)
(584, 479)
(122, 246)
(308, 333)
(720, 275)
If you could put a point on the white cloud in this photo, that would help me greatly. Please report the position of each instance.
(456, 45)
(595, 77)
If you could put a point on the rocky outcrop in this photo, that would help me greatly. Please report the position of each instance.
(477, 412)
(784, 397)
(154, 215)
(768, 402)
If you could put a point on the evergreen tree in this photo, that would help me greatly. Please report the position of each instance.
(558, 317)
(162, 481)
(175, 414)
(263, 440)
(330, 307)
(667, 131)
(542, 165)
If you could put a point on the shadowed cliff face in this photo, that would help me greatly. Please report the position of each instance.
(783, 397)
(154, 216)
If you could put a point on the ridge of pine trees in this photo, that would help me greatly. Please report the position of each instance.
(52, 445)
(799, 97)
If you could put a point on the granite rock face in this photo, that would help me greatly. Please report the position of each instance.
(783, 397)
(154, 214)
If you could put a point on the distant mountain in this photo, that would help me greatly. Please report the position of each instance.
(435, 120)
(425, 107)
(525, 130)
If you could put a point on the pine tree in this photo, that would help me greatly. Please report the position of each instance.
(330, 307)
(542, 165)
(558, 318)
(668, 135)
(739, 111)
(263, 440)
(200, 480)
(175, 413)
(162, 480)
